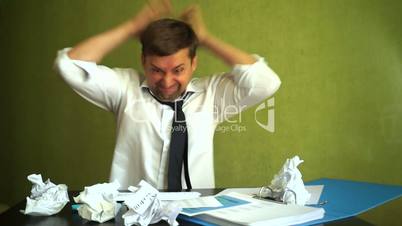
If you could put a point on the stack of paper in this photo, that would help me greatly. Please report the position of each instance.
(314, 190)
(244, 210)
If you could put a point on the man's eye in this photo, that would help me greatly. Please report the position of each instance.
(179, 70)
(155, 70)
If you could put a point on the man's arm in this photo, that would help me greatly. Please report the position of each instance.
(95, 48)
(101, 85)
(249, 82)
(228, 53)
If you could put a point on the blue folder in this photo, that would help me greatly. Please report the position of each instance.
(344, 199)
(348, 198)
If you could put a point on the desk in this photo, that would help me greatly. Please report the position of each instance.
(67, 217)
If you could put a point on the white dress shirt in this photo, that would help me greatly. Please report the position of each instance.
(144, 125)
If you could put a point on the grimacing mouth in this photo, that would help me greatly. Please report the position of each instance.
(158, 90)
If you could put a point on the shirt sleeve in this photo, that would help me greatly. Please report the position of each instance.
(243, 87)
(98, 84)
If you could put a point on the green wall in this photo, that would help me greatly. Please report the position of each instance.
(339, 105)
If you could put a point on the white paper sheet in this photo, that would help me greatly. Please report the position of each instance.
(173, 196)
(246, 191)
(98, 202)
(46, 198)
(206, 201)
(145, 208)
(163, 196)
(288, 185)
(315, 191)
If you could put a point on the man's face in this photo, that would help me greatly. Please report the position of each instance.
(168, 76)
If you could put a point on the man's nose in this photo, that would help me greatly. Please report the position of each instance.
(167, 81)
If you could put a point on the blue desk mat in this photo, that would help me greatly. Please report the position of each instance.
(345, 198)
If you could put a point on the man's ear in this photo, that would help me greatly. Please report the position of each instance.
(194, 63)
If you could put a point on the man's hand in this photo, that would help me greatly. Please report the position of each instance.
(96, 47)
(153, 10)
(228, 53)
(192, 15)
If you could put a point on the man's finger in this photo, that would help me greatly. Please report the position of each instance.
(159, 7)
(186, 14)
(167, 5)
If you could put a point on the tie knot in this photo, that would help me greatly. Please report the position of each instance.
(176, 106)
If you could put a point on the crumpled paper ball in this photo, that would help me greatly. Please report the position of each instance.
(146, 208)
(98, 202)
(289, 179)
(46, 198)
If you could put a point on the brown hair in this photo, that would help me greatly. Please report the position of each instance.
(167, 36)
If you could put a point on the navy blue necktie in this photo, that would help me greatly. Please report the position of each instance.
(178, 150)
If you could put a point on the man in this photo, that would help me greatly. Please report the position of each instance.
(165, 119)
